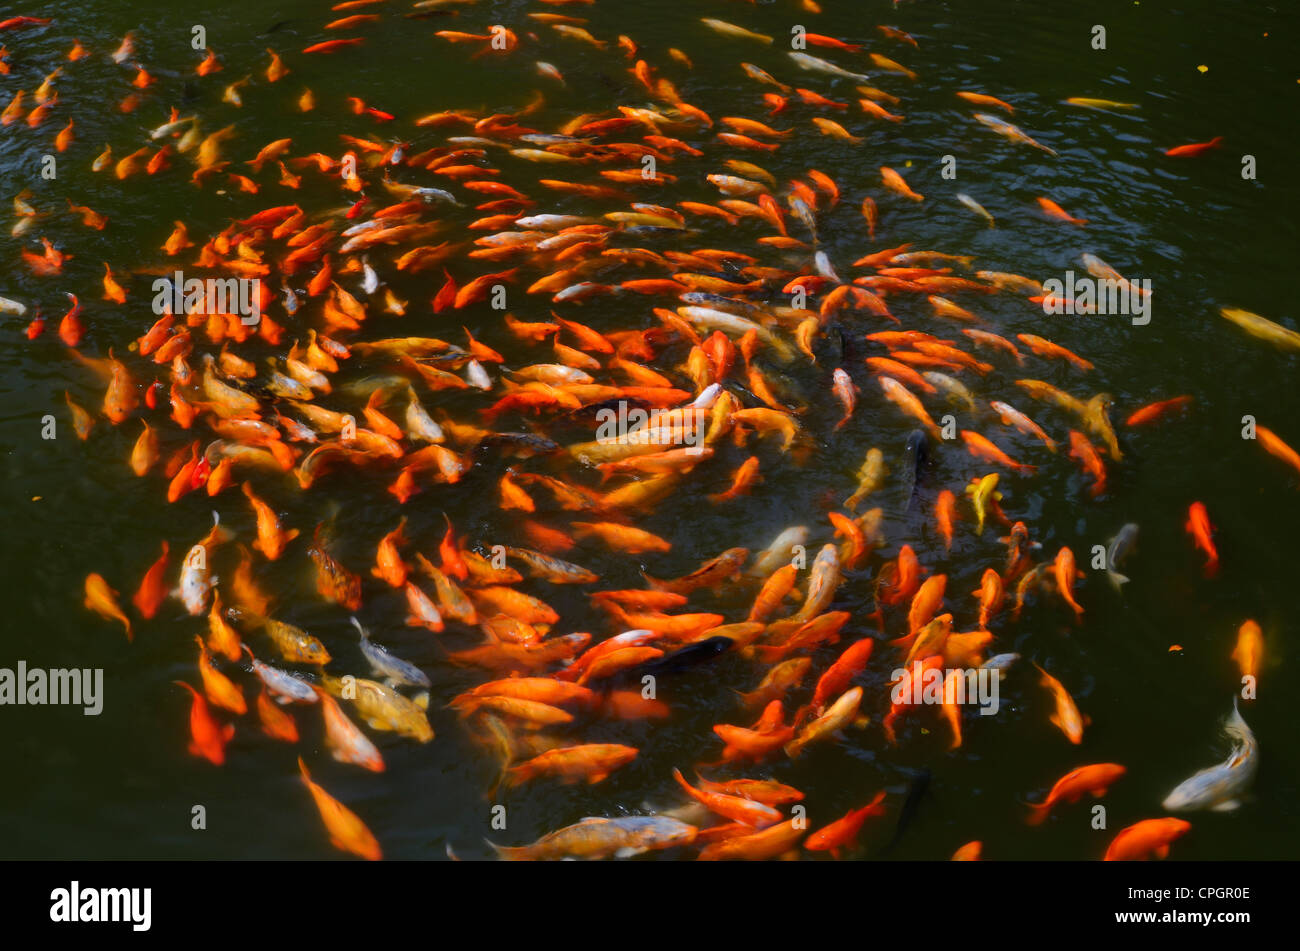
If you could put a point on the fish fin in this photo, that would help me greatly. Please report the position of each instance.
(1228, 805)
(421, 700)
(1162, 852)
(1117, 579)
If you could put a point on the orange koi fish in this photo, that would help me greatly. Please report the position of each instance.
(1199, 527)
(208, 739)
(1094, 779)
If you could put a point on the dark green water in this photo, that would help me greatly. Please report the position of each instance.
(122, 785)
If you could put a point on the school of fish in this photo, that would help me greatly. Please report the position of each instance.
(339, 378)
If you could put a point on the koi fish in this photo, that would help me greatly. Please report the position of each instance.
(102, 599)
(596, 838)
(1146, 838)
(1199, 527)
(1066, 717)
(347, 832)
(208, 739)
(1220, 788)
(843, 832)
(1093, 780)
(1194, 149)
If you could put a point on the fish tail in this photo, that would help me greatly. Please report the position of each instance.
(219, 534)
(513, 776)
(1038, 813)
(1236, 726)
(509, 854)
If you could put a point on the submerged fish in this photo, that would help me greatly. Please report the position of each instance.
(643, 343)
(917, 454)
(818, 65)
(1121, 546)
(1220, 788)
(597, 838)
(916, 791)
(1262, 327)
(395, 671)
